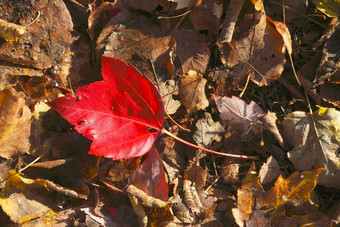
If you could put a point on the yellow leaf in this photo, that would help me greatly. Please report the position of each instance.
(11, 32)
(329, 7)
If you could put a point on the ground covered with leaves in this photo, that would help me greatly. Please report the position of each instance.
(169, 113)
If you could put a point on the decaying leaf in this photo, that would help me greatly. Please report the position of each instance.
(312, 150)
(15, 124)
(167, 90)
(240, 116)
(295, 190)
(120, 169)
(10, 31)
(150, 211)
(207, 130)
(35, 200)
(47, 41)
(191, 91)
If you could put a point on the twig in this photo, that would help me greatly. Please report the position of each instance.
(208, 150)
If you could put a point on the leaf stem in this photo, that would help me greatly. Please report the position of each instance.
(207, 150)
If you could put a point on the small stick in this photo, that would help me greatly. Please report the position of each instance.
(180, 126)
(208, 150)
(229, 22)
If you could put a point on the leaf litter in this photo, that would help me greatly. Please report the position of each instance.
(167, 42)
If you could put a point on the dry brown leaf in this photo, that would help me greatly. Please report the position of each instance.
(10, 31)
(207, 15)
(257, 49)
(245, 197)
(269, 171)
(230, 172)
(150, 211)
(311, 150)
(167, 90)
(97, 12)
(284, 32)
(330, 93)
(15, 124)
(192, 50)
(207, 130)
(269, 122)
(191, 91)
(135, 38)
(240, 116)
(197, 175)
(47, 41)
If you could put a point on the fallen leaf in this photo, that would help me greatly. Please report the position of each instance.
(295, 190)
(168, 89)
(191, 91)
(207, 130)
(191, 50)
(10, 31)
(123, 114)
(329, 7)
(47, 41)
(119, 170)
(269, 122)
(197, 175)
(311, 150)
(284, 32)
(15, 124)
(136, 39)
(150, 211)
(150, 177)
(269, 171)
(258, 50)
(330, 93)
(329, 63)
(35, 200)
(238, 113)
(206, 15)
(245, 197)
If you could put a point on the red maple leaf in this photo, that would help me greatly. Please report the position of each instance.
(123, 114)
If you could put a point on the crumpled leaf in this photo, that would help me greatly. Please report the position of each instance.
(240, 116)
(294, 190)
(258, 45)
(207, 130)
(15, 124)
(191, 91)
(150, 211)
(118, 114)
(311, 151)
(150, 177)
(329, 7)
